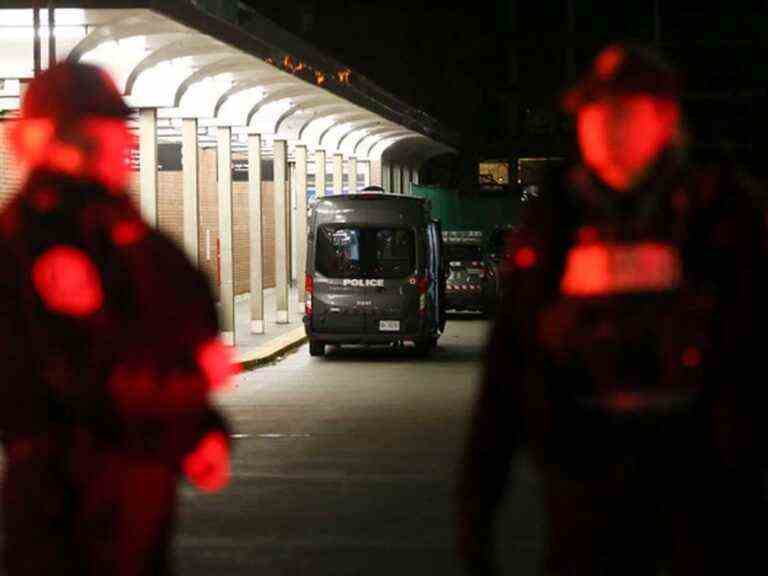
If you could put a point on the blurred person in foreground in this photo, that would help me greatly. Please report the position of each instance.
(109, 348)
(627, 358)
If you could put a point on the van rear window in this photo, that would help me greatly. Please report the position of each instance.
(356, 252)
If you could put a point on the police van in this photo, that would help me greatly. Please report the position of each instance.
(374, 273)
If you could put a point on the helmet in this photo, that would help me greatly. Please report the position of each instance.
(624, 69)
(73, 120)
(70, 91)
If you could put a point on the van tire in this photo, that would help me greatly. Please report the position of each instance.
(422, 349)
(316, 348)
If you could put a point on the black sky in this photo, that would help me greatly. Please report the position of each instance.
(493, 69)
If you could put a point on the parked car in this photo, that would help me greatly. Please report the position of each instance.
(466, 285)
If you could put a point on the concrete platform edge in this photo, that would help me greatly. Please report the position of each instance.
(264, 354)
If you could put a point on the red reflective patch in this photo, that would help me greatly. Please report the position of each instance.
(110, 164)
(608, 61)
(67, 281)
(140, 392)
(32, 138)
(620, 137)
(67, 158)
(208, 466)
(44, 200)
(586, 271)
(216, 362)
(691, 357)
(128, 232)
(99, 149)
(605, 269)
(525, 257)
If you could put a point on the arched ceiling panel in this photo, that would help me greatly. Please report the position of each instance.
(235, 108)
(230, 64)
(320, 119)
(188, 46)
(386, 140)
(342, 123)
(267, 80)
(264, 121)
(361, 148)
(413, 151)
(282, 93)
(349, 141)
(291, 121)
(122, 29)
(200, 98)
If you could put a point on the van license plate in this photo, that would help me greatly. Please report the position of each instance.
(389, 325)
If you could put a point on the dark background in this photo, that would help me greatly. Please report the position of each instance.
(493, 69)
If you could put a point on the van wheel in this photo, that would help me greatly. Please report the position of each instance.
(316, 348)
(423, 348)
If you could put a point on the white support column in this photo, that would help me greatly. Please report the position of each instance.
(191, 198)
(406, 179)
(352, 175)
(281, 232)
(396, 179)
(376, 171)
(255, 231)
(148, 164)
(319, 173)
(226, 264)
(301, 217)
(386, 177)
(338, 173)
(293, 230)
(367, 173)
(415, 176)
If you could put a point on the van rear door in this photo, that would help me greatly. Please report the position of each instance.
(340, 298)
(393, 292)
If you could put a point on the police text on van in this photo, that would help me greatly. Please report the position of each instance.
(359, 283)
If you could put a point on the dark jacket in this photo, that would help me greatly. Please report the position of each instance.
(640, 397)
(99, 405)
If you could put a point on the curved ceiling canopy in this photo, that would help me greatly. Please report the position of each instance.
(413, 151)
(341, 125)
(364, 146)
(188, 63)
(321, 117)
(378, 148)
(231, 64)
(304, 108)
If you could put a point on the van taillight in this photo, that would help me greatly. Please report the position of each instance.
(423, 285)
(309, 288)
